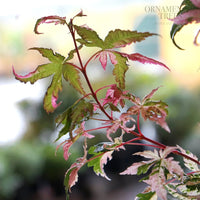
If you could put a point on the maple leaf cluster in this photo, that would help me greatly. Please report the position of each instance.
(166, 176)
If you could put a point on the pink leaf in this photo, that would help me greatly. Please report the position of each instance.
(66, 147)
(112, 58)
(157, 182)
(73, 177)
(82, 131)
(53, 102)
(143, 59)
(149, 154)
(72, 172)
(148, 96)
(120, 123)
(103, 59)
(156, 114)
(187, 17)
(104, 159)
(49, 19)
(173, 166)
(196, 3)
(114, 95)
(87, 135)
(164, 153)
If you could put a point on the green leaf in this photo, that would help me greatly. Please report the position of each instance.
(144, 168)
(120, 69)
(88, 37)
(175, 28)
(65, 119)
(54, 68)
(77, 113)
(48, 53)
(71, 53)
(120, 38)
(146, 196)
(71, 74)
(95, 163)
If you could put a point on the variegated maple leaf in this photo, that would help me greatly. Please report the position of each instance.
(189, 12)
(162, 167)
(115, 39)
(56, 68)
(149, 109)
(121, 123)
(80, 131)
(114, 95)
(71, 176)
(98, 160)
(49, 19)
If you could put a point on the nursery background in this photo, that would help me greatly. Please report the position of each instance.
(29, 168)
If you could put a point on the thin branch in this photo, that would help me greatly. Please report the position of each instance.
(88, 61)
(99, 128)
(147, 145)
(138, 124)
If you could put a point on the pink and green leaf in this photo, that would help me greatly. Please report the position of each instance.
(42, 71)
(120, 38)
(157, 182)
(49, 19)
(66, 148)
(143, 59)
(71, 176)
(150, 95)
(120, 69)
(75, 115)
(188, 13)
(155, 111)
(98, 160)
(188, 17)
(137, 168)
(54, 68)
(103, 58)
(51, 96)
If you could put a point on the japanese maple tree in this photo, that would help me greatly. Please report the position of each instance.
(164, 174)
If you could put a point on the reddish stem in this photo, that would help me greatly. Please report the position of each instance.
(186, 156)
(138, 124)
(94, 95)
(83, 70)
(103, 88)
(147, 145)
(86, 64)
(94, 129)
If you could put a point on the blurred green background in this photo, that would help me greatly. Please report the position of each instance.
(29, 168)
